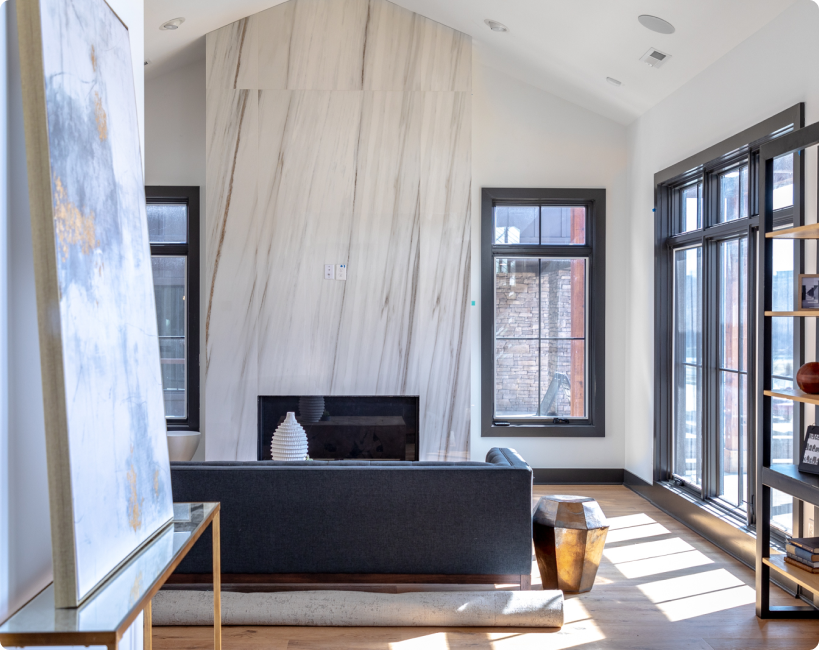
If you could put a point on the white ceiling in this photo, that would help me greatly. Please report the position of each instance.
(567, 47)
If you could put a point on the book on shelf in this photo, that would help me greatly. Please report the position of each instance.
(807, 563)
(804, 567)
(810, 544)
(790, 549)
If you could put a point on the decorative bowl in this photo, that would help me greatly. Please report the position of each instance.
(182, 445)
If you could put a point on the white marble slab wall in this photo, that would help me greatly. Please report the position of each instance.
(339, 131)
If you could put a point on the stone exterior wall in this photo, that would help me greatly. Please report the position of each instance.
(516, 345)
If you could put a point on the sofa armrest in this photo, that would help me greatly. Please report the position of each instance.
(506, 457)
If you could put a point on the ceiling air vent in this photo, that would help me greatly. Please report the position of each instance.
(655, 58)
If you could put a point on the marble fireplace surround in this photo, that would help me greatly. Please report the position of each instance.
(338, 132)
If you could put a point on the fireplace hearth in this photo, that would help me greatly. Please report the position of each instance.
(345, 427)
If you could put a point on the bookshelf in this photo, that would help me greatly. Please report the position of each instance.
(783, 477)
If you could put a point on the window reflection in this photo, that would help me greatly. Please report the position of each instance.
(688, 364)
(783, 182)
(782, 376)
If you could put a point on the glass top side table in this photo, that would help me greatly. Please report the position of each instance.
(110, 610)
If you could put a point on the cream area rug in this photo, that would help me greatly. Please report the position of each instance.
(356, 608)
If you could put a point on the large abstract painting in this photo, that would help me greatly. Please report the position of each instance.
(109, 476)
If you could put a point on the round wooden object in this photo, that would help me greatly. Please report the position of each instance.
(807, 378)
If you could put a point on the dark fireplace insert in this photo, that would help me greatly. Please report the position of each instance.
(345, 427)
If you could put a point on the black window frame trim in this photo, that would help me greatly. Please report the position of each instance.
(595, 250)
(706, 166)
(187, 195)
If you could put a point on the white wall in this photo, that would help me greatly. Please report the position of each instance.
(25, 536)
(769, 72)
(175, 155)
(525, 137)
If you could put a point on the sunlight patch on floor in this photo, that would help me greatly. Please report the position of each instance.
(710, 603)
(647, 550)
(690, 585)
(636, 532)
(435, 641)
(627, 521)
(663, 564)
(571, 636)
(574, 611)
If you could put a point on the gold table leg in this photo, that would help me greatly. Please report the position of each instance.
(147, 628)
(217, 585)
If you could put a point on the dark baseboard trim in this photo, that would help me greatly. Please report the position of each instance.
(632, 480)
(569, 476)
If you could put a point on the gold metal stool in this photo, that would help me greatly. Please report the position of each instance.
(569, 533)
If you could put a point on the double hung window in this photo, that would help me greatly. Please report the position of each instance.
(542, 312)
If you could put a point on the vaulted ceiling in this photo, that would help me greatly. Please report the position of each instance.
(565, 47)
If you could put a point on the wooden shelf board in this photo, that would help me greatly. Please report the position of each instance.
(800, 576)
(802, 312)
(811, 231)
(794, 394)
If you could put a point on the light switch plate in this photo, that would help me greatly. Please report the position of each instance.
(329, 272)
(341, 272)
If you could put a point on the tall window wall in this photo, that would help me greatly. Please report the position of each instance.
(710, 238)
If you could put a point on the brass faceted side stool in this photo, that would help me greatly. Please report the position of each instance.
(569, 534)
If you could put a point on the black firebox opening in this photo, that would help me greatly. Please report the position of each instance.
(345, 427)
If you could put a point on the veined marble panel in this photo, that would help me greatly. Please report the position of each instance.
(307, 216)
(374, 340)
(406, 51)
(327, 44)
(442, 369)
(377, 179)
(232, 235)
(348, 45)
(223, 50)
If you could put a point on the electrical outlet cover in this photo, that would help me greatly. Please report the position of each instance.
(341, 272)
(329, 272)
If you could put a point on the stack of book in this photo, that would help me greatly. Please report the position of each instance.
(803, 552)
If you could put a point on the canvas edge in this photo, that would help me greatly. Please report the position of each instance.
(38, 164)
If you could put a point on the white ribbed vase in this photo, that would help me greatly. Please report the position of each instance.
(289, 442)
(311, 408)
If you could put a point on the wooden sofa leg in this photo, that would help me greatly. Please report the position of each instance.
(526, 582)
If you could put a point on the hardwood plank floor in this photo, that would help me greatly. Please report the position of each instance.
(660, 587)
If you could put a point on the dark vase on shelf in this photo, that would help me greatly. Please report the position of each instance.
(807, 378)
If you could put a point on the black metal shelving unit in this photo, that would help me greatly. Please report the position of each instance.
(785, 478)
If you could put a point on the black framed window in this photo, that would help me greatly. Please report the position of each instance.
(173, 231)
(706, 229)
(542, 314)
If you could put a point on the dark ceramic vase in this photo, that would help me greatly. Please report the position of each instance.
(807, 378)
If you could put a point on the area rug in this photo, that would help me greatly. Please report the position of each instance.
(355, 608)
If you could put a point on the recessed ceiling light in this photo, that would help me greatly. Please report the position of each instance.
(656, 24)
(614, 82)
(172, 24)
(495, 26)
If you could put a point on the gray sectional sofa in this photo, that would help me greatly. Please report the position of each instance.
(361, 521)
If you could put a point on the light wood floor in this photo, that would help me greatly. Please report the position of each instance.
(660, 587)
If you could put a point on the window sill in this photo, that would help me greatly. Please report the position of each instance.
(543, 431)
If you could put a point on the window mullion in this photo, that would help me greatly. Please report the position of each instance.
(539, 327)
